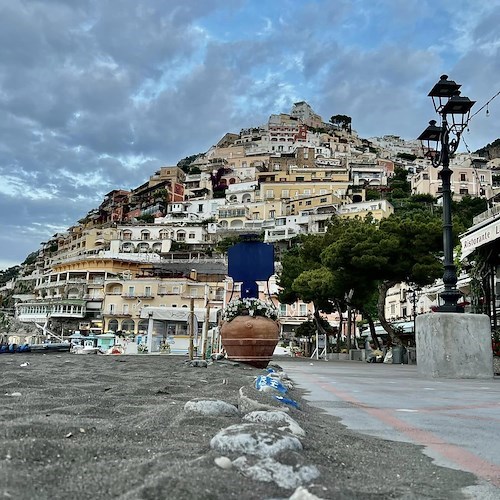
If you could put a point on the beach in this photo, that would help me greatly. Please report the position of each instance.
(98, 427)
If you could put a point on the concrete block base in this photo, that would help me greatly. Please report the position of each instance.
(454, 345)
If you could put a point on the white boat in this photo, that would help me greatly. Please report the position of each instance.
(84, 349)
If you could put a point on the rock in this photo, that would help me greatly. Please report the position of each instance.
(254, 439)
(211, 407)
(223, 462)
(278, 418)
(269, 470)
(249, 399)
(197, 363)
(301, 493)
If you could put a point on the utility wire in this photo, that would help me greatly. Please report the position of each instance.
(484, 106)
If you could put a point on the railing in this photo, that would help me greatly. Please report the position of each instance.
(486, 215)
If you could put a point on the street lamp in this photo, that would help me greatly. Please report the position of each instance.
(438, 147)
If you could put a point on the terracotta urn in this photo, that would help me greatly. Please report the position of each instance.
(250, 339)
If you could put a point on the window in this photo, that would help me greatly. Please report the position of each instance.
(269, 193)
(125, 309)
(272, 214)
(464, 191)
(308, 203)
(322, 200)
(175, 290)
(192, 236)
(147, 291)
(425, 177)
(299, 179)
(112, 308)
(131, 291)
(144, 235)
(463, 178)
(303, 310)
(307, 191)
(181, 236)
(200, 208)
(282, 309)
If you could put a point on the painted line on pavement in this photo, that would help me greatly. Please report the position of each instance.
(464, 459)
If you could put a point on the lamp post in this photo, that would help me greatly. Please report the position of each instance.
(439, 144)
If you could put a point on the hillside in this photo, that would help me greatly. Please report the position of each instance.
(490, 151)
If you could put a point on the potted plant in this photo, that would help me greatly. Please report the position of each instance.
(250, 331)
(495, 344)
(249, 307)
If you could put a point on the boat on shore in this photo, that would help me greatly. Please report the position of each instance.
(85, 349)
(35, 348)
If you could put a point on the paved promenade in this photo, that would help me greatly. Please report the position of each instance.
(457, 421)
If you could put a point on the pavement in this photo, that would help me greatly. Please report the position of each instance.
(455, 420)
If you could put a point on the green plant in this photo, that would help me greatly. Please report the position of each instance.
(249, 307)
(495, 342)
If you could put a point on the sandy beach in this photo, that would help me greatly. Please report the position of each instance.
(98, 427)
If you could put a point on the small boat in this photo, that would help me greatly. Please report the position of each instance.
(85, 349)
(50, 347)
(35, 348)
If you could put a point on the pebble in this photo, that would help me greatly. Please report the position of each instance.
(223, 462)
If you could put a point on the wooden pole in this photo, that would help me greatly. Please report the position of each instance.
(205, 332)
(191, 328)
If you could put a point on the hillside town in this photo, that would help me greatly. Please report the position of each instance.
(161, 244)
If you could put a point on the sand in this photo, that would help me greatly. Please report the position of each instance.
(99, 427)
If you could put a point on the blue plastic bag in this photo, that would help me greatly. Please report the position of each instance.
(263, 381)
(287, 401)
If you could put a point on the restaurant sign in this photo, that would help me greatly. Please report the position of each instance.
(475, 239)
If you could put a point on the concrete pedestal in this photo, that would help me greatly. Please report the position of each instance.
(454, 345)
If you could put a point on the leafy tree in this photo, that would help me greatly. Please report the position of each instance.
(399, 249)
(8, 274)
(185, 163)
(303, 276)
(343, 121)
(465, 210)
(228, 241)
(407, 156)
(400, 181)
(372, 194)
(147, 218)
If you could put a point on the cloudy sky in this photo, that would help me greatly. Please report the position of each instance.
(97, 94)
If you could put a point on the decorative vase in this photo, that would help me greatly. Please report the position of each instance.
(250, 339)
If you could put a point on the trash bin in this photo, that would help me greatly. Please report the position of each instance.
(398, 354)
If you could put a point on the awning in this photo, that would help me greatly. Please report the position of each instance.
(177, 314)
(476, 238)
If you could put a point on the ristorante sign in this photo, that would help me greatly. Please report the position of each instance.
(480, 237)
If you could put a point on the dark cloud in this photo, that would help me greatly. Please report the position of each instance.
(98, 94)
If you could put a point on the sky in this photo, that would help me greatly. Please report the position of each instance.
(96, 95)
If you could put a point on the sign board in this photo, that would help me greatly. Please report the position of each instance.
(479, 237)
